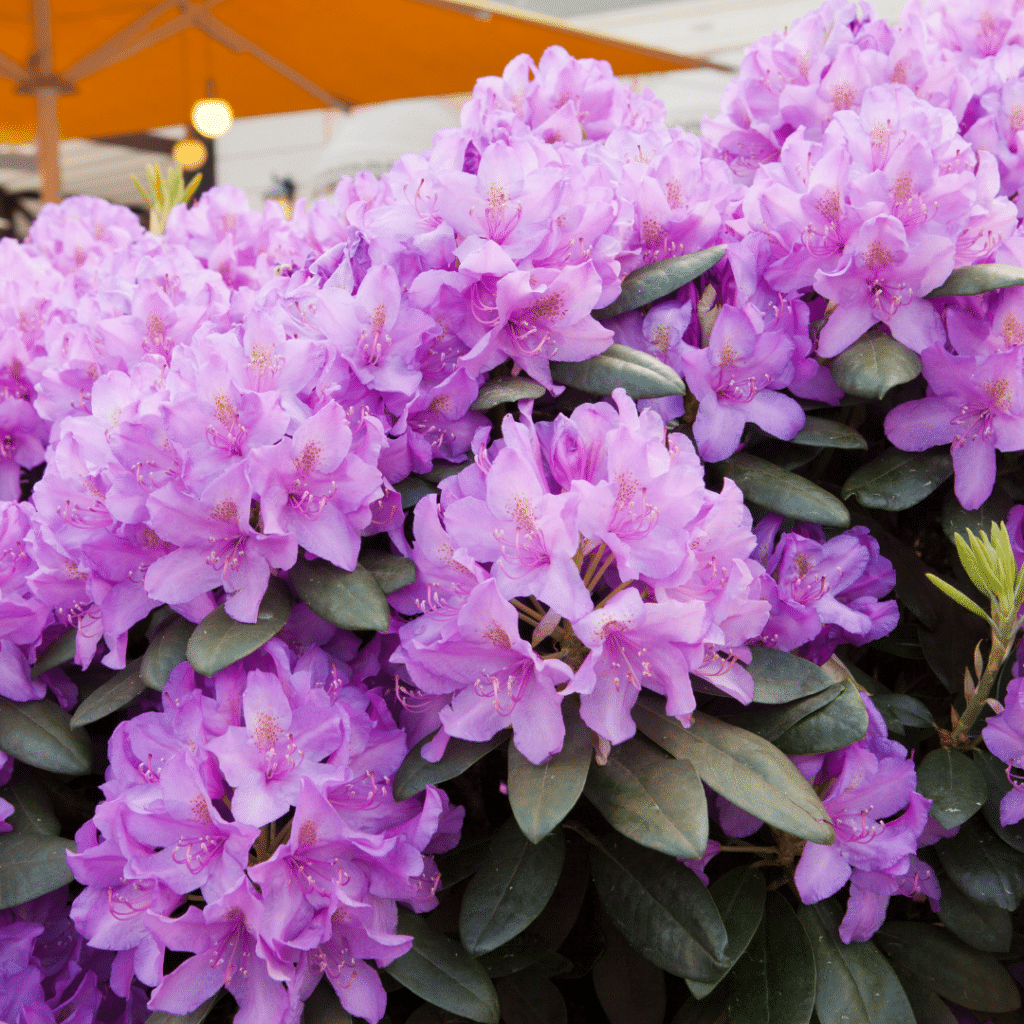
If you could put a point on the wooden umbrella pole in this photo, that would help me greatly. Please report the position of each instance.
(47, 120)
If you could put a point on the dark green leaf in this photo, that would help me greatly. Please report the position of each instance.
(443, 973)
(522, 951)
(948, 966)
(702, 1011)
(39, 733)
(427, 1014)
(416, 773)
(530, 998)
(166, 651)
(744, 768)
(392, 572)
(348, 600)
(985, 277)
(927, 1006)
(656, 800)
(898, 480)
(630, 989)
(499, 390)
(873, 365)
(412, 489)
(855, 983)
(779, 491)
(219, 640)
(983, 927)
(998, 786)
(956, 519)
(983, 866)
(117, 692)
(771, 721)
(563, 909)
(739, 895)
(780, 677)
(33, 810)
(654, 281)
(955, 785)
(661, 908)
(774, 982)
(838, 724)
(642, 375)
(511, 887)
(542, 795)
(818, 432)
(60, 652)
(197, 1016)
(31, 866)
(458, 864)
(324, 1007)
(949, 646)
(902, 712)
(441, 470)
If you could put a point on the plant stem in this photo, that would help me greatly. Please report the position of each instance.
(996, 657)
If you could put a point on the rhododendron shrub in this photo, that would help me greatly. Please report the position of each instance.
(587, 549)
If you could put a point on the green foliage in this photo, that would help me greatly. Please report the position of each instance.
(984, 927)
(499, 390)
(416, 772)
(983, 866)
(528, 997)
(167, 649)
(166, 190)
(640, 374)
(985, 277)
(780, 677)
(31, 866)
(873, 365)
(955, 785)
(197, 1016)
(348, 600)
(897, 480)
(117, 692)
(39, 733)
(822, 433)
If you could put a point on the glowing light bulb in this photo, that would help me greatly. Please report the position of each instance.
(212, 117)
(190, 153)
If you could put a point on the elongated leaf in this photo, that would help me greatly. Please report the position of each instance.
(416, 773)
(770, 722)
(955, 785)
(744, 768)
(348, 600)
(219, 640)
(779, 491)
(630, 989)
(985, 277)
(983, 927)
(39, 733)
(412, 488)
(774, 982)
(116, 693)
(901, 711)
(197, 1016)
(392, 572)
(927, 1006)
(838, 724)
(443, 973)
(642, 375)
(166, 651)
(855, 984)
(324, 1007)
(31, 866)
(60, 652)
(542, 795)
(499, 390)
(780, 677)
(949, 967)
(818, 432)
(983, 866)
(739, 895)
(661, 908)
(870, 367)
(33, 810)
(510, 888)
(657, 801)
(654, 281)
(897, 480)
(522, 951)
(530, 998)
(956, 519)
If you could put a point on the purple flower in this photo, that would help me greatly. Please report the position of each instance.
(1004, 737)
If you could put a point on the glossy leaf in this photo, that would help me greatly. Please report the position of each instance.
(983, 866)
(744, 768)
(949, 967)
(818, 432)
(458, 864)
(542, 795)
(898, 480)
(324, 1007)
(974, 280)
(499, 390)
(31, 866)
(219, 640)
(197, 1016)
(838, 724)
(630, 989)
(901, 711)
(873, 365)
(416, 773)
(739, 895)
(702, 1011)
(661, 908)
(33, 810)
(777, 490)
(60, 652)
(771, 721)
(522, 951)
(654, 281)
(780, 677)
(530, 998)
(117, 692)
(984, 927)
(412, 489)
(166, 651)
(656, 800)
(348, 600)
(855, 984)
(510, 888)
(392, 572)
(443, 973)
(927, 1006)
(775, 981)
(39, 733)
(956, 519)
(955, 785)
(642, 375)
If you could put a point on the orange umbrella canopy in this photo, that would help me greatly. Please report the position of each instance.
(121, 66)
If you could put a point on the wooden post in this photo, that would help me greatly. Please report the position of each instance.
(47, 119)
